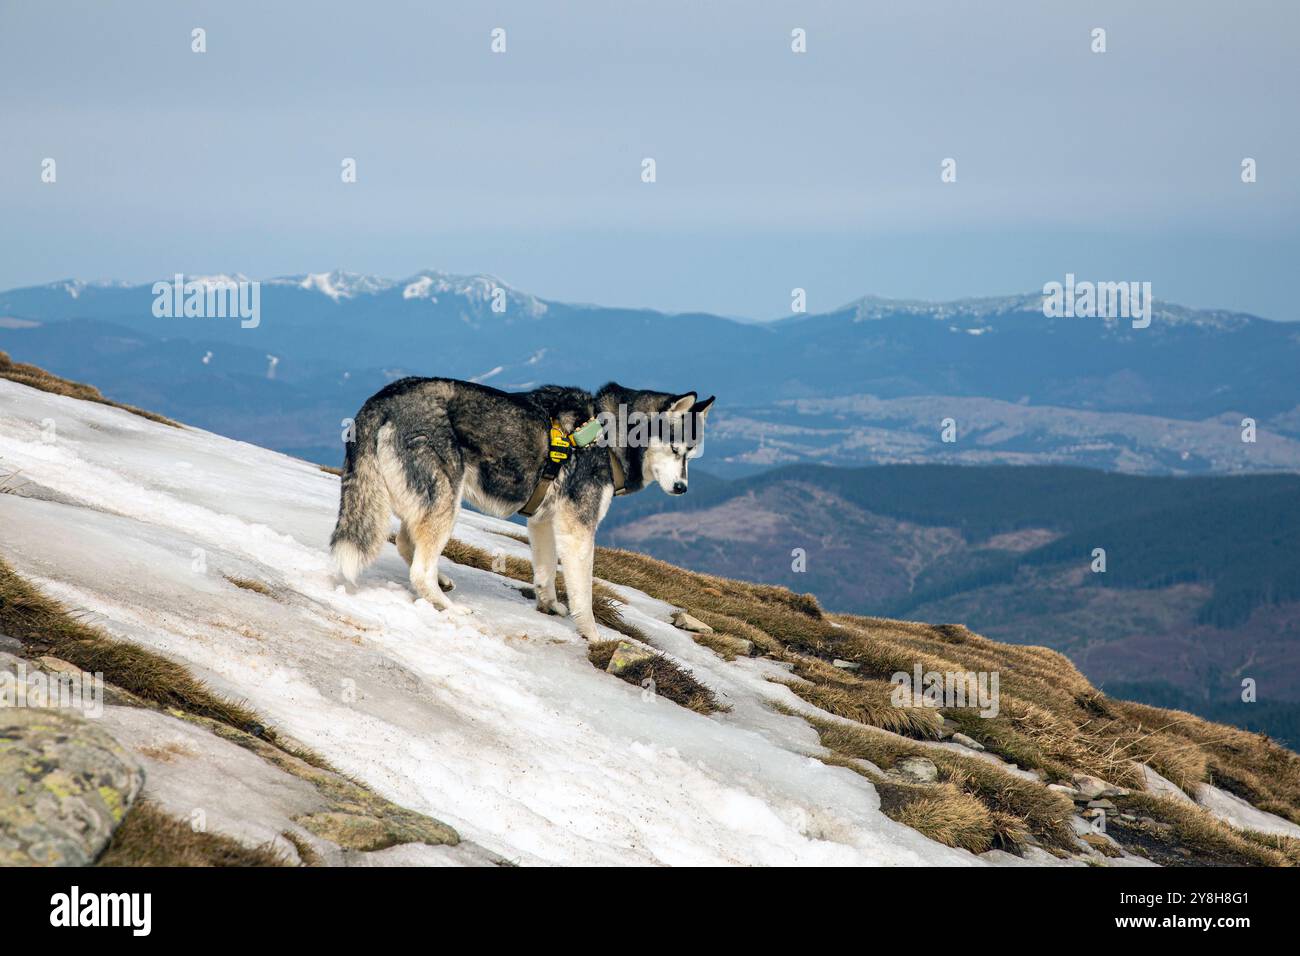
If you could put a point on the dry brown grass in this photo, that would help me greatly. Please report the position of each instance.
(1186, 834)
(724, 645)
(1289, 847)
(249, 584)
(149, 836)
(35, 377)
(944, 813)
(1051, 717)
(866, 701)
(306, 853)
(1247, 764)
(1026, 806)
(670, 680)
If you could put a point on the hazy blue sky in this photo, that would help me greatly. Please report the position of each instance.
(775, 170)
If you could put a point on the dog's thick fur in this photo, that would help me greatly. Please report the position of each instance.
(421, 445)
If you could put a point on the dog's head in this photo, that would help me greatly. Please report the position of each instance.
(678, 439)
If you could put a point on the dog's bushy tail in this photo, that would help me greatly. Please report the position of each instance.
(364, 506)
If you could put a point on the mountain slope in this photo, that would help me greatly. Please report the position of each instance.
(498, 719)
(1201, 588)
(498, 724)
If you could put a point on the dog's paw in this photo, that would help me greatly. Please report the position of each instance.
(439, 603)
(446, 583)
(557, 608)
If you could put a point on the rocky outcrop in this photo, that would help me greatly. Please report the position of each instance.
(65, 785)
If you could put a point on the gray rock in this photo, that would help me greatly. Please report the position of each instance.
(10, 644)
(627, 655)
(845, 665)
(1094, 787)
(687, 623)
(917, 769)
(1101, 805)
(965, 741)
(1070, 792)
(65, 786)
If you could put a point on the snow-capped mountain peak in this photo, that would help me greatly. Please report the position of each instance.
(74, 287)
(477, 289)
(337, 283)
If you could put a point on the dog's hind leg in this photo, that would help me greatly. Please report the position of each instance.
(541, 539)
(575, 540)
(406, 548)
(428, 529)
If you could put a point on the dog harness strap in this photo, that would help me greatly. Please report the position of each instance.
(562, 445)
(556, 456)
(616, 466)
(535, 501)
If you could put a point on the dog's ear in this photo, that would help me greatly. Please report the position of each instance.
(681, 404)
(702, 408)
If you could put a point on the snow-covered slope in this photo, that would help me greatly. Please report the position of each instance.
(494, 722)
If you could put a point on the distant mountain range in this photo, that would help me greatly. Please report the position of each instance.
(1201, 587)
(868, 383)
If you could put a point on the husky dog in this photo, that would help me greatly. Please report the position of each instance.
(422, 444)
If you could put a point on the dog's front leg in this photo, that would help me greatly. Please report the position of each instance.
(541, 539)
(576, 541)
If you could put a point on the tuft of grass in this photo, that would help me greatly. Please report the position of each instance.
(1289, 847)
(35, 377)
(866, 701)
(306, 853)
(724, 645)
(943, 813)
(149, 836)
(249, 584)
(670, 679)
(331, 470)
